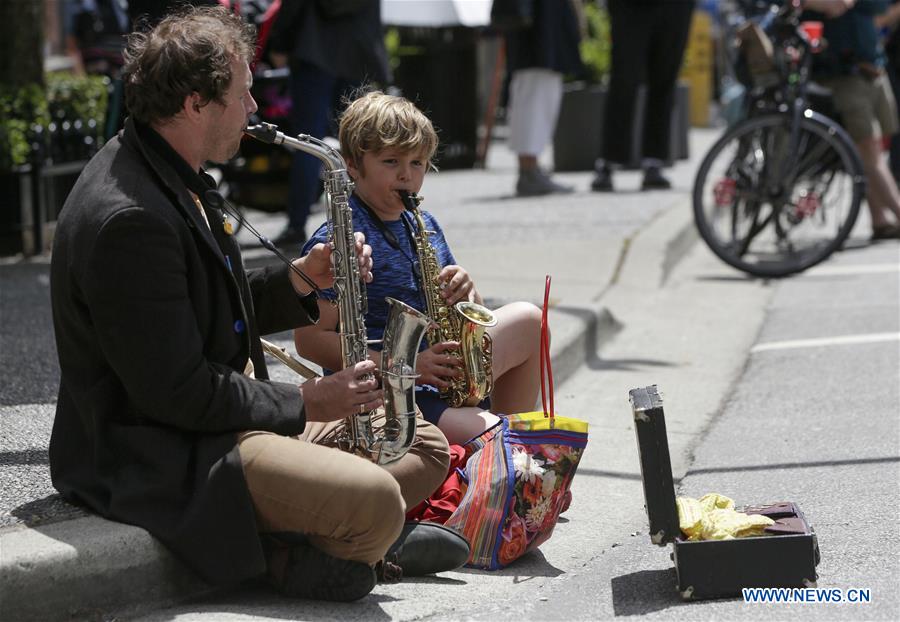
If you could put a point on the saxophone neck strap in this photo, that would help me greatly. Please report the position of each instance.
(389, 236)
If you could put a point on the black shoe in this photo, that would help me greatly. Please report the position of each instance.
(602, 180)
(291, 239)
(654, 180)
(885, 232)
(300, 570)
(426, 548)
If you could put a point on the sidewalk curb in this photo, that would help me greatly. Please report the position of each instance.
(85, 567)
(647, 257)
(89, 566)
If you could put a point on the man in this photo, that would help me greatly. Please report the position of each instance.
(648, 42)
(853, 68)
(539, 55)
(332, 48)
(160, 422)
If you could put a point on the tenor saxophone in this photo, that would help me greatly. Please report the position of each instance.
(404, 329)
(465, 322)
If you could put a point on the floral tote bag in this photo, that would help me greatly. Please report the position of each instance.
(517, 476)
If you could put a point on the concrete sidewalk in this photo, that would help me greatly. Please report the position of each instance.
(56, 562)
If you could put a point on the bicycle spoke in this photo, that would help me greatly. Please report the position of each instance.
(755, 229)
(813, 156)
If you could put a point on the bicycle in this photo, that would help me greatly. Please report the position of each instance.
(780, 191)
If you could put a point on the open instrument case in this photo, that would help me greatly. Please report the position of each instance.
(786, 557)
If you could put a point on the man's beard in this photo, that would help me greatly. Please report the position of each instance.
(231, 152)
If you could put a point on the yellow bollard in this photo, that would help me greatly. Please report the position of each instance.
(697, 68)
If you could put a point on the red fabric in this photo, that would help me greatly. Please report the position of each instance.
(443, 502)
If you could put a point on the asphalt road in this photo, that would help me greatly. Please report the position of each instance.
(814, 417)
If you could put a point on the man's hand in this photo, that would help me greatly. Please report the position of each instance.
(829, 8)
(317, 265)
(342, 394)
(437, 365)
(457, 285)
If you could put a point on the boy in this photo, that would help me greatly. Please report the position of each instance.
(388, 144)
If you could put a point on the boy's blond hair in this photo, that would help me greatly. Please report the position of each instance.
(377, 121)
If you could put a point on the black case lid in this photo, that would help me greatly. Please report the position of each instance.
(656, 466)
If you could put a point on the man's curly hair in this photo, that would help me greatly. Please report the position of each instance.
(188, 51)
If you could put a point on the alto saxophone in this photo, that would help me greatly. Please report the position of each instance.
(404, 329)
(465, 322)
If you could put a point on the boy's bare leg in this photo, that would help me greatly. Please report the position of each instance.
(460, 425)
(516, 358)
(516, 370)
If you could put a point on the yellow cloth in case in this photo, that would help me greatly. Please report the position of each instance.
(713, 517)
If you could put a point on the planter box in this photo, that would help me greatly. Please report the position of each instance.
(579, 131)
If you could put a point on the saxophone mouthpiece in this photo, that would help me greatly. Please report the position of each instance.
(411, 199)
(265, 132)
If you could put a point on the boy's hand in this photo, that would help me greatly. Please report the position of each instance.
(342, 394)
(363, 257)
(437, 365)
(317, 265)
(457, 285)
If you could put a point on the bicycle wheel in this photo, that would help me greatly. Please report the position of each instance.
(772, 204)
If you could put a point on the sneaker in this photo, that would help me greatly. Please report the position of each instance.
(290, 238)
(300, 570)
(654, 180)
(602, 180)
(536, 182)
(886, 231)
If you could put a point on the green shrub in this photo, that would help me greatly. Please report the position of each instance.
(19, 110)
(26, 114)
(596, 47)
(397, 48)
(73, 97)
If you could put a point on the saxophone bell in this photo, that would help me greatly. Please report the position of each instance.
(403, 333)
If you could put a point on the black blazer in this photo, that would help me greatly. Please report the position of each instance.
(153, 331)
(550, 42)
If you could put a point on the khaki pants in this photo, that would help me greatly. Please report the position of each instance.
(349, 507)
(866, 105)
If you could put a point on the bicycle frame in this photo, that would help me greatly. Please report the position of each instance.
(793, 54)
